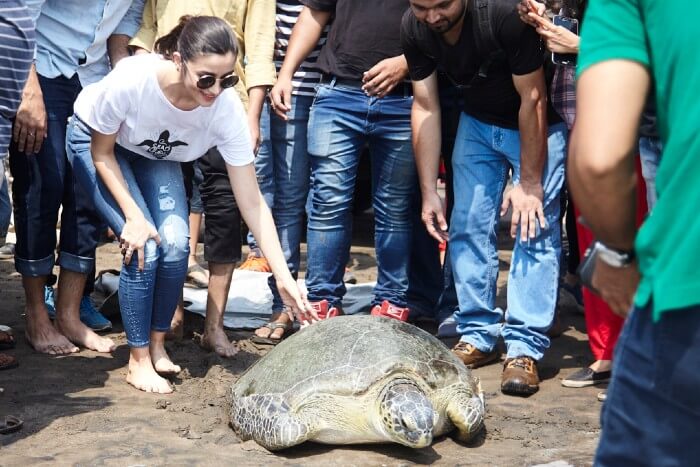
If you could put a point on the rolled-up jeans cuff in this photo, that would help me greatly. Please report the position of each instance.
(75, 263)
(35, 267)
(138, 344)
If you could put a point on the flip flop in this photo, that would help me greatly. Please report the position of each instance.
(269, 340)
(10, 425)
(8, 362)
(200, 284)
(7, 340)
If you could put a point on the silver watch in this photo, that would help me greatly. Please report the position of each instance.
(613, 257)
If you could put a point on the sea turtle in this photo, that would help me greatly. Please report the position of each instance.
(357, 379)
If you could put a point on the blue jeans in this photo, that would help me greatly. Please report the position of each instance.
(650, 155)
(342, 121)
(482, 158)
(43, 183)
(147, 298)
(652, 411)
(5, 205)
(282, 169)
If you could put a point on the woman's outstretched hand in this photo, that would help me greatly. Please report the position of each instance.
(133, 238)
(295, 303)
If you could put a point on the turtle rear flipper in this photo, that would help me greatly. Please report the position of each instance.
(268, 421)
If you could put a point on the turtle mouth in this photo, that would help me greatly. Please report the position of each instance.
(418, 440)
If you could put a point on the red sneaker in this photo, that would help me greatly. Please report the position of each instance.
(323, 311)
(388, 310)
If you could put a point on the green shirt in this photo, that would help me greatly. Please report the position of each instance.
(663, 36)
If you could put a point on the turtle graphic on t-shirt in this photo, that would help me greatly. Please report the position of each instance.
(161, 149)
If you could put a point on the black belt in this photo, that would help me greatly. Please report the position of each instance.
(404, 89)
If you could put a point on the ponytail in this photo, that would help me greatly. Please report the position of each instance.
(198, 35)
(167, 44)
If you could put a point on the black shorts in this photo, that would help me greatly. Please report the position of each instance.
(222, 220)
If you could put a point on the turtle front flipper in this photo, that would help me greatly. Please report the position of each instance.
(268, 420)
(466, 411)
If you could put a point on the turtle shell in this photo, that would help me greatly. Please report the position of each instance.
(346, 355)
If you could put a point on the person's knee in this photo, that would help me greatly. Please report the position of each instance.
(174, 239)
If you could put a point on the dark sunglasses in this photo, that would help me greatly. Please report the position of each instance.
(207, 81)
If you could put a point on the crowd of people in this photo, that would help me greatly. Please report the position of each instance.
(148, 118)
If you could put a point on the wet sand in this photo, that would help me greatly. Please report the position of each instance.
(78, 410)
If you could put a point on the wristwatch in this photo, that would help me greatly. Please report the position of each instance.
(613, 257)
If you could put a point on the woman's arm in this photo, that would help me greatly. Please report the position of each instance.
(259, 220)
(137, 230)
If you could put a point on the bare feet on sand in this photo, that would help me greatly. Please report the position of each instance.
(79, 334)
(143, 376)
(44, 338)
(161, 360)
(215, 340)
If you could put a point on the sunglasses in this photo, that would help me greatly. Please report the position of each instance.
(207, 81)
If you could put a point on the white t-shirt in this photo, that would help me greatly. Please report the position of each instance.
(129, 102)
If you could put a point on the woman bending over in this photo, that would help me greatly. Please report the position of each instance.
(125, 141)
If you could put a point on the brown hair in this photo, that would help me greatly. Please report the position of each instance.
(198, 35)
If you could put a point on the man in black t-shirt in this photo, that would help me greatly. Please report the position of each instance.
(362, 100)
(503, 126)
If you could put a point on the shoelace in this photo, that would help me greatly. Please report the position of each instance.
(463, 346)
(521, 362)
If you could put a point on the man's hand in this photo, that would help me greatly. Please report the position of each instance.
(616, 286)
(432, 215)
(526, 199)
(30, 128)
(281, 97)
(531, 6)
(384, 76)
(254, 126)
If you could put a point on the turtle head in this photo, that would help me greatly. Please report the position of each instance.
(406, 414)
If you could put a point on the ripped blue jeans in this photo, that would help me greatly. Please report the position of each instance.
(147, 298)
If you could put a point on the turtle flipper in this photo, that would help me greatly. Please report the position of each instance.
(466, 412)
(268, 420)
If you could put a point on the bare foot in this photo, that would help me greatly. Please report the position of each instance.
(275, 329)
(177, 325)
(44, 338)
(161, 360)
(215, 340)
(143, 376)
(80, 334)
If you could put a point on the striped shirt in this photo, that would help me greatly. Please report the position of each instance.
(307, 76)
(17, 42)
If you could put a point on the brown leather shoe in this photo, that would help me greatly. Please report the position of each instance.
(520, 377)
(473, 357)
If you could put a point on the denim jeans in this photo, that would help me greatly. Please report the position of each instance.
(650, 156)
(652, 411)
(482, 158)
(5, 205)
(147, 298)
(43, 183)
(282, 169)
(342, 121)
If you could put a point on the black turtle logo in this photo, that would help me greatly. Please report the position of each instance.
(161, 149)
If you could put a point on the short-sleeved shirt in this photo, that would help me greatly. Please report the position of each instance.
(494, 99)
(130, 102)
(662, 36)
(307, 77)
(364, 32)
